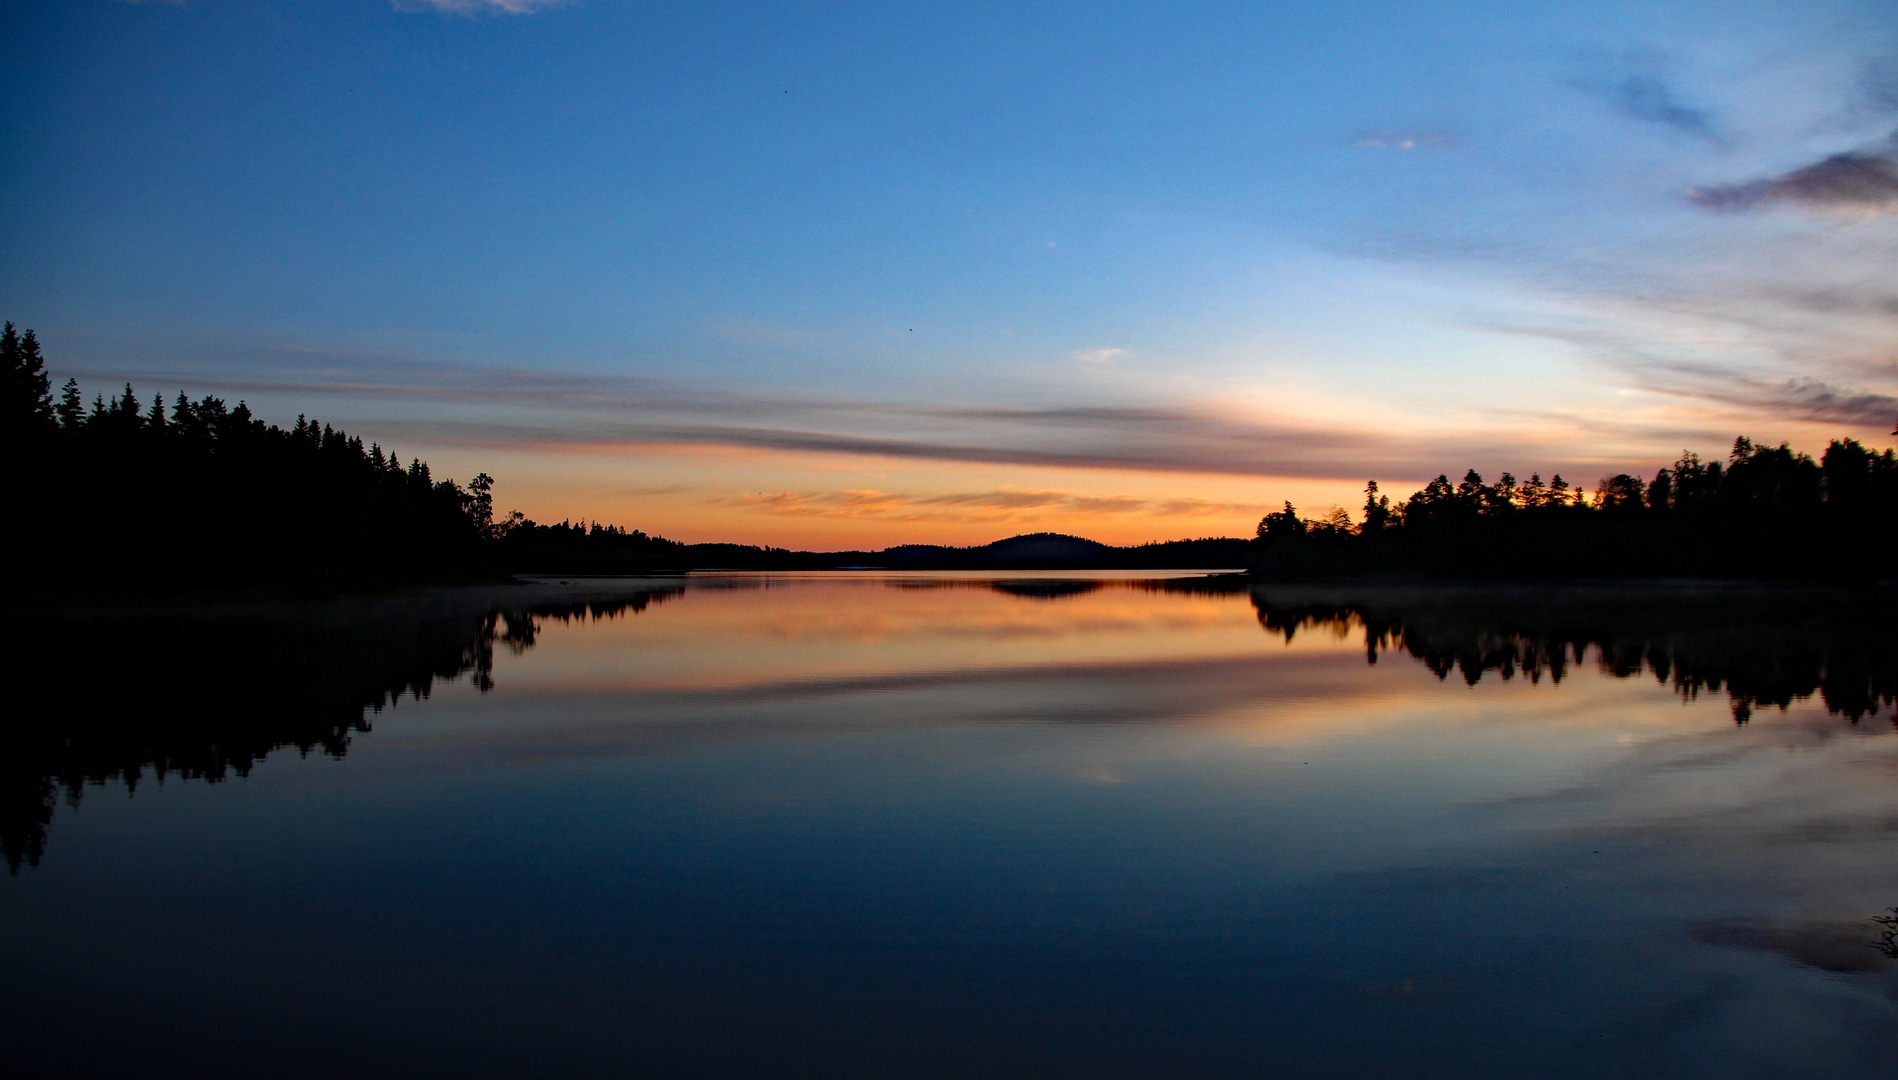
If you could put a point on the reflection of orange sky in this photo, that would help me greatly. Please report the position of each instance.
(1155, 692)
(820, 502)
(747, 631)
(1206, 654)
(1172, 698)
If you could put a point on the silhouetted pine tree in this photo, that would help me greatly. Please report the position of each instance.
(26, 400)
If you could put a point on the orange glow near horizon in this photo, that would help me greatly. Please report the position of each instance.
(815, 502)
(822, 501)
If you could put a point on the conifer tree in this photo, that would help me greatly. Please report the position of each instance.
(71, 410)
(26, 395)
(1377, 509)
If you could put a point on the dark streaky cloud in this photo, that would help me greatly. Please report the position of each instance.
(1860, 182)
(1797, 398)
(554, 410)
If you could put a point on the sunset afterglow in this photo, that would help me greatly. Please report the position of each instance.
(865, 275)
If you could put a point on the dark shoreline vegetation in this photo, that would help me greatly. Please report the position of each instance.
(1766, 513)
(127, 496)
(205, 693)
(199, 495)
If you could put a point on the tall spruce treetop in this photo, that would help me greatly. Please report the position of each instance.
(26, 395)
(71, 410)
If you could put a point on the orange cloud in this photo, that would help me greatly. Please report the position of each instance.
(989, 507)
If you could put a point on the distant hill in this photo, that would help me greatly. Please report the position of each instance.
(1033, 551)
(570, 549)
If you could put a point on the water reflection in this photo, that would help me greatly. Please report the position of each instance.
(205, 695)
(1000, 825)
(209, 694)
(1765, 649)
(1043, 589)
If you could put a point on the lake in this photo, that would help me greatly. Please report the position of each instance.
(956, 825)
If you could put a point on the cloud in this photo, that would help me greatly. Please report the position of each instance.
(555, 410)
(1001, 505)
(1141, 440)
(539, 411)
(1646, 97)
(1658, 359)
(1800, 398)
(1860, 184)
(1878, 86)
(478, 7)
(1404, 140)
(1098, 356)
(1841, 301)
(1633, 87)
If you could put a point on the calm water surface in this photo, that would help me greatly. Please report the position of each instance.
(954, 826)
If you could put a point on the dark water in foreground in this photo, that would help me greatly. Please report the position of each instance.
(956, 826)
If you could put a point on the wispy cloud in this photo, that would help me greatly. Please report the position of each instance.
(478, 7)
(1405, 140)
(1141, 440)
(1819, 355)
(1801, 398)
(1001, 505)
(1640, 85)
(1099, 356)
(501, 408)
(1646, 97)
(1878, 86)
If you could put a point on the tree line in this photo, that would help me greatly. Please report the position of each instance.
(1765, 512)
(127, 493)
(144, 494)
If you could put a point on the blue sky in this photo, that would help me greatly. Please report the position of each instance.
(873, 273)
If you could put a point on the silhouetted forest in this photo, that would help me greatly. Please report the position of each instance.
(206, 693)
(124, 493)
(1765, 512)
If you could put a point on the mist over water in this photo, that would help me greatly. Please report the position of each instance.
(956, 824)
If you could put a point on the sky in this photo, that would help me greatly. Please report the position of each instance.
(850, 275)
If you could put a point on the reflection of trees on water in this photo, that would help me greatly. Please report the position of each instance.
(1045, 588)
(1887, 943)
(205, 697)
(202, 698)
(1030, 588)
(1764, 649)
